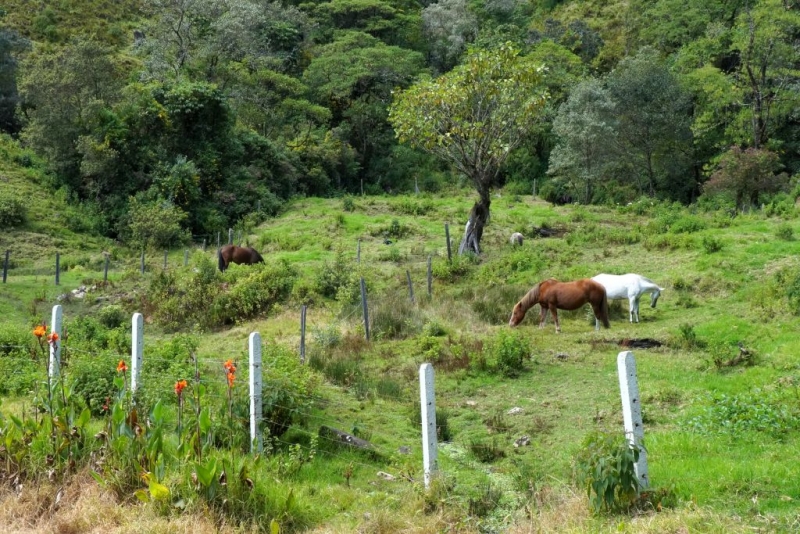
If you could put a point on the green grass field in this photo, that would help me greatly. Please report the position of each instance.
(721, 437)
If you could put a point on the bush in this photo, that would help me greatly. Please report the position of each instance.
(254, 289)
(289, 388)
(112, 316)
(784, 232)
(155, 224)
(510, 349)
(92, 379)
(605, 467)
(12, 212)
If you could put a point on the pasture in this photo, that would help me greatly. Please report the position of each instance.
(719, 381)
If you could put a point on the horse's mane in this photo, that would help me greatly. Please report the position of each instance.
(531, 298)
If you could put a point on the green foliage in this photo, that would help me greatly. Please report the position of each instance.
(486, 451)
(289, 389)
(156, 225)
(395, 317)
(510, 349)
(785, 232)
(772, 412)
(746, 175)
(449, 271)
(12, 211)
(92, 379)
(253, 290)
(443, 430)
(605, 467)
(711, 244)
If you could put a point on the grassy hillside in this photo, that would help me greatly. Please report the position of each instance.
(721, 434)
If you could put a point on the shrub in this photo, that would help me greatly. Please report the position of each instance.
(92, 379)
(605, 467)
(112, 316)
(155, 224)
(254, 289)
(12, 212)
(711, 244)
(784, 232)
(510, 349)
(289, 388)
(395, 317)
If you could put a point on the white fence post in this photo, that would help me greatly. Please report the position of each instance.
(256, 444)
(137, 349)
(632, 412)
(428, 407)
(55, 348)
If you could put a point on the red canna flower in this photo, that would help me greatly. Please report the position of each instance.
(40, 331)
(121, 366)
(180, 385)
(53, 337)
(231, 377)
(229, 366)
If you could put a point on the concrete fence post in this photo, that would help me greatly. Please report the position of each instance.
(5, 266)
(58, 267)
(632, 412)
(56, 322)
(364, 307)
(256, 444)
(137, 349)
(303, 311)
(428, 407)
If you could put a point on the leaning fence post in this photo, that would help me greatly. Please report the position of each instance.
(256, 444)
(303, 311)
(105, 269)
(410, 286)
(632, 412)
(137, 349)
(5, 266)
(364, 307)
(55, 346)
(430, 277)
(428, 407)
(447, 236)
(58, 267)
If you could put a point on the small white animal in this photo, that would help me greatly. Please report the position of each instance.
(516, 238)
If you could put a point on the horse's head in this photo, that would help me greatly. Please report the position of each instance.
(517, 315)
(521, 307)
(654, 297)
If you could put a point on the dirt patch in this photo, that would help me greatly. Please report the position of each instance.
(643, 343)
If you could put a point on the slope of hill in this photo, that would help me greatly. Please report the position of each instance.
(721, 430)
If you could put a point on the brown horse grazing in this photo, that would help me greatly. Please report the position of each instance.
(236, 254)
(554, 295)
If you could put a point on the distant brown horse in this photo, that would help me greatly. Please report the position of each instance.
(236, 254)
(554, 295)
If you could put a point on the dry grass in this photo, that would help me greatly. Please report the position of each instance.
(82, 506)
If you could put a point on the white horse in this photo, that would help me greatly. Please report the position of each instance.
(629, 286)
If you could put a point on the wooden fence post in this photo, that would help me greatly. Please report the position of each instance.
(410, 286)
(55, 348)
(447, 236)
(256, 444)
(137, 349)
(632, 412)
(165, 259)
(428, 407)
(358, 251)
(105, 269)
(364, 307)
(230, 236)
(430, 278)
(5, 266)
(185, 257)
(58, 267)
(143, 262)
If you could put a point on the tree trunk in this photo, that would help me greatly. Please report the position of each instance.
(478, 217)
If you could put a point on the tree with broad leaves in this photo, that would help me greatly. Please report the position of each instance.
(472, 118)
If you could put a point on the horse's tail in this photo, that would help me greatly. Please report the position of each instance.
(220, 260)
(604, 310)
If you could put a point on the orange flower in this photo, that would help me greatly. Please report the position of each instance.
(121, 366)
(40, 331)
(231, 377)
(179, 387)
(53, 337)
(229, 366)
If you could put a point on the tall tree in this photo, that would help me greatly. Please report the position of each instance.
(653, 138)
(472, 118)
(585, 126)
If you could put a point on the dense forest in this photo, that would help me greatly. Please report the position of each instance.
(190, 115)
